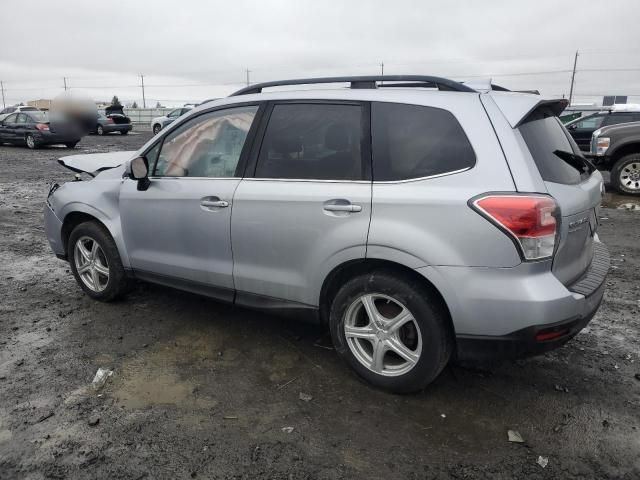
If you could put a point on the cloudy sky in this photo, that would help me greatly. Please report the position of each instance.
(190, 50)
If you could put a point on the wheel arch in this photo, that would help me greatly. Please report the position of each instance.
(624, 150)
(352, 268)
(72, 220)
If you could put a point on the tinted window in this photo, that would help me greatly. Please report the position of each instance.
(591, 123)
(312, 141)
(174, 113)
(544, 135)
(11, 118)
(207, 146)
(37, 116)
(615, 119)
(29, 109)
(22, 118)
(410, 141)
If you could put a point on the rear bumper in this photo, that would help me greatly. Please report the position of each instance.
(515, 312)
(122, 127)
(49, 138)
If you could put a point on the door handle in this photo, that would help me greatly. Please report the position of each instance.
(213, 202)
(343, 208)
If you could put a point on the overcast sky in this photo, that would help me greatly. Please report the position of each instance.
(190, 50)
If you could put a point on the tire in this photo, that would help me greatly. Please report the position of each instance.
(31, 142)
(109, 287)
(625, 174)
(156, 129)
(427, 336)
(124, 132)
(100, 130)
(71, 144)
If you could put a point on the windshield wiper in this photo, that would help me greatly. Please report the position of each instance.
(576, 161)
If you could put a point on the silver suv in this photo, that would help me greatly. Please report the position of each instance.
(420, 219)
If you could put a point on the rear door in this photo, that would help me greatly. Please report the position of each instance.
(577, 192)
(178, 231)
(304, 206)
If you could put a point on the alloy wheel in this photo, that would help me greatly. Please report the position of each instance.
(31, 142)
(383, 334)
(91, 264)
(630, 176)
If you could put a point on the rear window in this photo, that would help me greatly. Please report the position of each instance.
(544, 135)
(39, 116)
(410, 141)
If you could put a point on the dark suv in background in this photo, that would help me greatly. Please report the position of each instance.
(617, 148)
(582, 129)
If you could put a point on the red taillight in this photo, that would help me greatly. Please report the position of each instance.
(43, 127)
(109, 120)
(529, 219)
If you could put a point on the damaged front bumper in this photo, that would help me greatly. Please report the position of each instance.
(53, 229)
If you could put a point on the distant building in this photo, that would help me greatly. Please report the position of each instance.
(42, 103)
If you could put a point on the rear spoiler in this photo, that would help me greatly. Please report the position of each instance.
(517, 108)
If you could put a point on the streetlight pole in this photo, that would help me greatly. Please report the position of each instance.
(144, 102)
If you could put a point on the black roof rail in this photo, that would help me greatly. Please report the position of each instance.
(366, 81)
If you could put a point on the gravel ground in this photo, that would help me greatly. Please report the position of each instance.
(205, 390)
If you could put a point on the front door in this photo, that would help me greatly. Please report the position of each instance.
(8, 128)
(178, 231)
(305, 206)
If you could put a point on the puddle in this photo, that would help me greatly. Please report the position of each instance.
(621, 202)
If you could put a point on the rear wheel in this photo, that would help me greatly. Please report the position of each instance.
(31, 142)
(156, 129)
(71, 144)
(124, 132)
(95, 262)
(392, 332)
(100, 130)
(625, 174)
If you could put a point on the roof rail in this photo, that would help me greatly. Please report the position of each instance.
(368, 81)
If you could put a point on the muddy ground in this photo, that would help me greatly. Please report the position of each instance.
(201, 389)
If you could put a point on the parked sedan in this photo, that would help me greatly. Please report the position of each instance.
(106, 125)
(35, 129)
(159, 123)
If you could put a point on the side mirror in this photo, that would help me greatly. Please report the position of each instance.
(140, 171)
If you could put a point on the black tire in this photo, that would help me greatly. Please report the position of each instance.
(124, 132)
(117, 283)
(156, 129)
(71, 144)
(431, 318)
(624, 167)
(31, 142)
(99, 130)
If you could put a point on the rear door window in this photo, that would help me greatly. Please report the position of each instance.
(411, 141)
(313, 142)
(544, 134)
(590, 123)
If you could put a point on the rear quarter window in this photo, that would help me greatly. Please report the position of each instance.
(412, 141)
(544, 134)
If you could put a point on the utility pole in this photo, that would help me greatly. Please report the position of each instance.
(382, 68)
(248, 82)
(573, 77)
(2, 88)
(64, 79)
(144, 102)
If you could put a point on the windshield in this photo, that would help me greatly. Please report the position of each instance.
(545, 136)
(39, 116)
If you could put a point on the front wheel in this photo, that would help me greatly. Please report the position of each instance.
(156, 129)
(100, 130)
(95, 262)
(625, 174)
(392, 332)
(124, 132)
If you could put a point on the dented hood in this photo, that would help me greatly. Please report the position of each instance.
(516, 107)
(94, 163)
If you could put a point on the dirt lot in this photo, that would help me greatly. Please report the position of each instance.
(204, 390)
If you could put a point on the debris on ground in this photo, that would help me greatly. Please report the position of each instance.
(93, 421)
(514, 436)
(560, 388)
(230, 417)
(305, 397)
(287, 429)
(637, 376)
(101, 378)
(543, 461)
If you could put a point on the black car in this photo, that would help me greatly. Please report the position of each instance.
(582, 128)
(35, 129)
(617, 148)
(113, 120)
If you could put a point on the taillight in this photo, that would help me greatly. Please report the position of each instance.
(43, 127)
(529, 219)
(109, 120)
